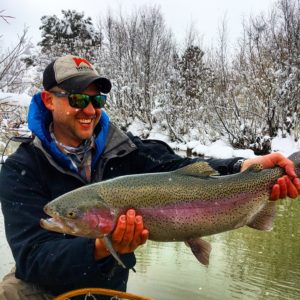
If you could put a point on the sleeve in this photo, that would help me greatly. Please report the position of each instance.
(157, 156)
(51, 260)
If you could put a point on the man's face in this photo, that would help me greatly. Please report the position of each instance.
(71, 125)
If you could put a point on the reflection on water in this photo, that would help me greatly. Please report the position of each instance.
(245, 264)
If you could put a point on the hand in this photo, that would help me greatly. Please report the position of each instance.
(126, 237)
(287, 185)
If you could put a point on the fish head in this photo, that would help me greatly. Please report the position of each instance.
(79, 213)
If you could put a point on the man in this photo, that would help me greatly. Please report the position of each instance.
(75, 144)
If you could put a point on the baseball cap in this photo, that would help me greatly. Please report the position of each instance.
(73, 74)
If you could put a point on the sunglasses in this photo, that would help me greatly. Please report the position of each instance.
(83, 100)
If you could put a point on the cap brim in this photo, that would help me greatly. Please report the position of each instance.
(80, 83)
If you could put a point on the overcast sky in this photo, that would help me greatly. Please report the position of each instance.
(206, 15)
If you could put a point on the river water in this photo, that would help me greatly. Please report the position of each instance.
(245, 264)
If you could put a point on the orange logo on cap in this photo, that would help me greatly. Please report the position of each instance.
(79, 60)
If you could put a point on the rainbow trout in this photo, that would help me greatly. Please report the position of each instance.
(182, 205)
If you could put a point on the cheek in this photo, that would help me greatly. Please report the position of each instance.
(98, 114)
(101, 220)
(91, 219)
(62, 111)
(61, 115)
(62, 105)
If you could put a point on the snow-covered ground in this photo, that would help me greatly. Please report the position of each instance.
(219, 149)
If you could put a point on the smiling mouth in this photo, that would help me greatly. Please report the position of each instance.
(85, 121)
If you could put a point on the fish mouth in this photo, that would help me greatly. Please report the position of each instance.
(53, 224)
(71, 227)
(58, 223)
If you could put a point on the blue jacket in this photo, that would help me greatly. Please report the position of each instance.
(38, 172)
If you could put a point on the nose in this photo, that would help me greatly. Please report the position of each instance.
(89, 110)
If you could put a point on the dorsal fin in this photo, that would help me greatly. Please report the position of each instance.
(199, 169)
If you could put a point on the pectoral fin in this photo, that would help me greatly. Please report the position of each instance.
(201, 249)
(264, 219)
(109, 246)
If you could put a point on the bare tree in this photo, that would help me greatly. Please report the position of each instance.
(12, 69)
(261, 96)
(11, 65)
(138, 54)
(5, 18)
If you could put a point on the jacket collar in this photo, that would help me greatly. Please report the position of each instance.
(118, 141)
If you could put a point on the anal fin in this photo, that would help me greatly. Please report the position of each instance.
(264, 219)
(201, 249)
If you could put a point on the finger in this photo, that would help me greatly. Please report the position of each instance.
(292, 191)
(283, 188)
(130, 224)
(142, 239)
(296, 182)
(288, 166)
(144, 236)
(283, 162)
(290, 169)
(117, 235)
(275, 194)
(139, 227)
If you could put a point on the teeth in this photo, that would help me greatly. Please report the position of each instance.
(85, 121)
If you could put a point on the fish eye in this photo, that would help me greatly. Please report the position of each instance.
(72, 213)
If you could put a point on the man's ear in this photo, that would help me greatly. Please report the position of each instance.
(47, 99)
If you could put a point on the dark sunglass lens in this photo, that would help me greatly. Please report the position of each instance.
(78, 100)
(99, 101)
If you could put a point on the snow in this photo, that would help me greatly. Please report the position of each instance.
(287, 145)
(15, 99)
(218, 149)
(7, 261)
